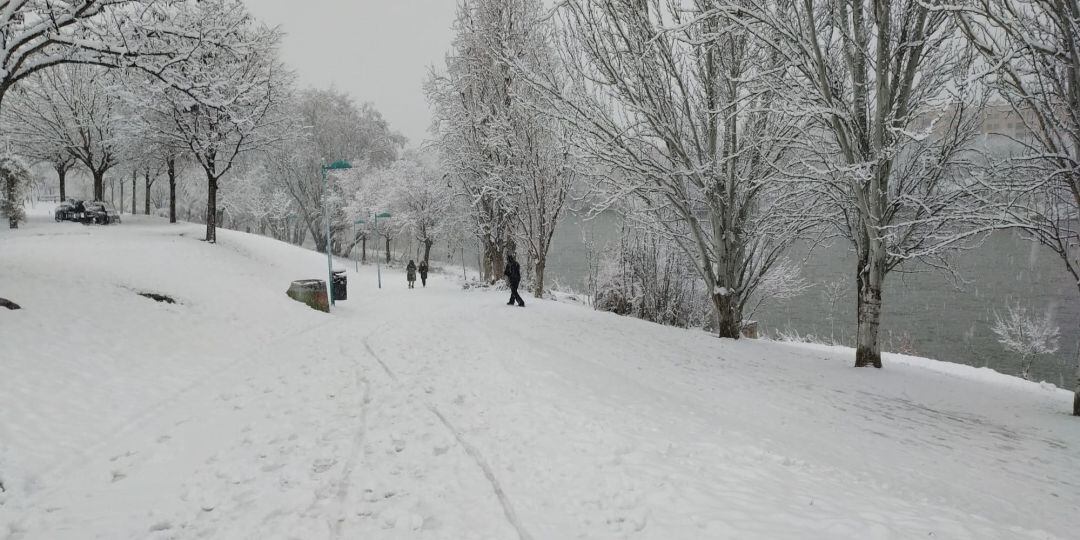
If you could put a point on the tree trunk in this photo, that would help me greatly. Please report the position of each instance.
(728, 316)
(1076, 389)
(1076, 393)
(494, 262)
(146, 178)
(172, 190)
(61, 173)
(387, 249)
(99, 185)
(211, 209)
(871, 277)
(134, 200)
(363, 250)
(9, 186)
(427, 251)
(538, 277)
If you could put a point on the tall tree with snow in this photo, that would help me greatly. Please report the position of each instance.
(149, 135)
(882, 85)
(223, 99)
(421, 200)
(48, 150)
(678, 107)
(69, 107)
(326, 126)
(146, 34)
(1033, 51)
(508, 161)
(475, 110)
(38, 34)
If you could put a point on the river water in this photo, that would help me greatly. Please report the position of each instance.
(925, 313)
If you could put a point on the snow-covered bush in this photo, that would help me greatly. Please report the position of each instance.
(645, 277)
(14, 187)
(1025, 333)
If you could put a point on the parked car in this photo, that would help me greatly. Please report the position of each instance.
(67, 211)
(100, 213)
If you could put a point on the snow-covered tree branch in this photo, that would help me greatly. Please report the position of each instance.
(1032, 53)
(679, 109)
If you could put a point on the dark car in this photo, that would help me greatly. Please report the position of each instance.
(100, 213)
(66, 211)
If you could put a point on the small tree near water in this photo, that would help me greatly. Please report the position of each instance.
(14, 186)
(1027, 334)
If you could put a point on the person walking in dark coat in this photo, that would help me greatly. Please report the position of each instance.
(423, 273)
(513, 278)
(410, 274)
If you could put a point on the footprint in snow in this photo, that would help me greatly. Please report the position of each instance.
(322, 465)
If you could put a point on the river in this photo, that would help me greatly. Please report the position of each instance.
(925, 313)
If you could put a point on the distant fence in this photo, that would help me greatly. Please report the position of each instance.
(48, 198)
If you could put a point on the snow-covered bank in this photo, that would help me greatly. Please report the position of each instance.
(442, 413)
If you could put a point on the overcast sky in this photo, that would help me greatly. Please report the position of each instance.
(376, 50)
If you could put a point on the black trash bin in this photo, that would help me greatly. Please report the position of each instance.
(340, 286)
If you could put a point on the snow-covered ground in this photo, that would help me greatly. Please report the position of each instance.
(441, 413)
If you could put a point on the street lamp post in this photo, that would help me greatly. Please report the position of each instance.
(335, 166)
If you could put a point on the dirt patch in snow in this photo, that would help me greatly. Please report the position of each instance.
(158, 297)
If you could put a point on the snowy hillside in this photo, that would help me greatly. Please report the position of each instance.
(440, 413)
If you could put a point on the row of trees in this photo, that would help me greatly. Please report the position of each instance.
(510, 167)
(182, 88)
(737, 127)
(147, 83)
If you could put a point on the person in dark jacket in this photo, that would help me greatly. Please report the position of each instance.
(513, 278)
(410, 274)
(423, 273)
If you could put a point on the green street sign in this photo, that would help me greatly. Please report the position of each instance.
(340, 164)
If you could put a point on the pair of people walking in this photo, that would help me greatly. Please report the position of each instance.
(411, 271)
(512, 271)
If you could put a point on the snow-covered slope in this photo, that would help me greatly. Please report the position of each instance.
(440, 413)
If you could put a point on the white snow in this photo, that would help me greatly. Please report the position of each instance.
(442, 413)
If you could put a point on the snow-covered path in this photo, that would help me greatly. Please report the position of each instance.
(440, 413)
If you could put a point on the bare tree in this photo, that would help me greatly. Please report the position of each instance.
(421, 199)
(151, 35)
(1032, 49)
(547, 173)
(38, 34)
(677, 107)
(69, 108)
(1025, 333)
(224, 98)
(475, 111)
(327, 126)
(48, 150)
(882, 85)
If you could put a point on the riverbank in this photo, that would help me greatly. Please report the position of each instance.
(443, 413)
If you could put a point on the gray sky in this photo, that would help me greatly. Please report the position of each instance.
(376, 50)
